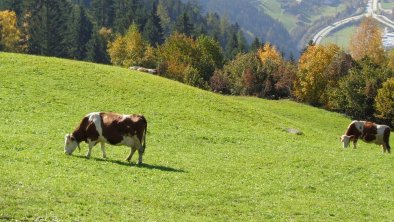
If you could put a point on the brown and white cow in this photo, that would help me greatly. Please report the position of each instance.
(112, 128)
(368, 132)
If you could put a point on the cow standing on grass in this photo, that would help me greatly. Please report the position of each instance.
(368, 132)
(111, 128)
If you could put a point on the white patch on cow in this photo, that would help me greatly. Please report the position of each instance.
(130, 141)
(345, 140)
(69, 144)
(96, 119)
(380, 134)
(359, 125)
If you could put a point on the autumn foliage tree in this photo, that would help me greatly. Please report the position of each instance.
(367, 41)
(187, 60)
(130, 49)
(9, 33)
(384, 101)
(312, 76)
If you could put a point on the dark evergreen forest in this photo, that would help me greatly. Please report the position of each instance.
(81, 29)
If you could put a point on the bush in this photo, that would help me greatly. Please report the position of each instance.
(220, 83)
(193, 77)
(384, 101)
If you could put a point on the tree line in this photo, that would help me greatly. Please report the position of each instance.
(358, 83)
(81, 29)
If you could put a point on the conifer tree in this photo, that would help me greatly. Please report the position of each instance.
(183, 25)
(103, 11)
(153, 31)
(48, 27)
(80, 29)
(96, 48)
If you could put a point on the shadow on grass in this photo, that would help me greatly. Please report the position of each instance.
(144, 165)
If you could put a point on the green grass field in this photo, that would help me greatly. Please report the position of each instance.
(341, 37)
(275, 10)
(208, 158)
(387, 5)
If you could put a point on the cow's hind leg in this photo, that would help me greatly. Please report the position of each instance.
(140, 153)
(387, 147)
(132, 151)
(103, 150)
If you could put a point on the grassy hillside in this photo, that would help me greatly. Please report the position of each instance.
(208, 158)
(290, 21)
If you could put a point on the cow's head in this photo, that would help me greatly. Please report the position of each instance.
(346, 140)
(70, 144)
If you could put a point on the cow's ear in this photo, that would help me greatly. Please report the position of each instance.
(352, 137)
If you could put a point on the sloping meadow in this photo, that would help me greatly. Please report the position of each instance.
(208, 157)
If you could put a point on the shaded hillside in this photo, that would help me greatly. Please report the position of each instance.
(254, 22)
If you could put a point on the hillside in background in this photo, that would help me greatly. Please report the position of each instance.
(289, 24)
(209, 157)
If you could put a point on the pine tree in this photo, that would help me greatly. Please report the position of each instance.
(256, 44)
(104, 13)
(153, 31)
(183, 25)
(80, 29)
(128, 12)
(48, 27)
(97, 48)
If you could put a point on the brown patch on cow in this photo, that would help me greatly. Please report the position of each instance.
(85, 130)
(115, 126)
(353, 131)
(369, 132)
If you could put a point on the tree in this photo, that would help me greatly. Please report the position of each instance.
(103, 10)
(165, 20)
(312, 79)
(128, 12)
(183, 25)
(153, 31)
(128, 50)
(384, 101)
(176, 54)
(211, 57)
(80, 30)
(367, 41)
(97, 46)
(9, 33)
(47, 27)
(256, 44)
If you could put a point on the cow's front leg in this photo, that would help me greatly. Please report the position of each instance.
(91, 145)
(103, 150)
(132, 151)
(355, 144)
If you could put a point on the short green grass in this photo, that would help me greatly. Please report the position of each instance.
(341, 37)
(275, 10)
(387, 5)
(208, 158)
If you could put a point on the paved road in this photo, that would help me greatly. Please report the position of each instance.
(371, 9)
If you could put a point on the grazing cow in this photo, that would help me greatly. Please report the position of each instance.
(111, 128)
(368, 132)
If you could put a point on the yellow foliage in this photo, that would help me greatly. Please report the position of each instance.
(390, 59)
(312, 80)
(367, 41)
(9, 33)
(130, 49)
(269, 53)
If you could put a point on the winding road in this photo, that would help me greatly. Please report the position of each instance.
(371, 10)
